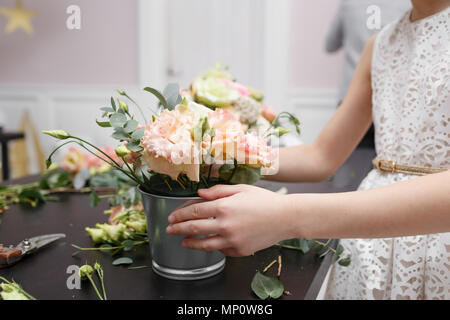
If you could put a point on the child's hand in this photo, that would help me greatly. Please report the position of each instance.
(245, 219)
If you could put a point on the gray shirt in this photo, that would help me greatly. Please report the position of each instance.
(350, 31)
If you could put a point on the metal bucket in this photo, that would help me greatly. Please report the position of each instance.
(169, 258)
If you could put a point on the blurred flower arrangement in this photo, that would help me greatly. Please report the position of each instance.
(77, 171)
(214, 133)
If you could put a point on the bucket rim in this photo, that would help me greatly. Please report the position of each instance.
(167, 197)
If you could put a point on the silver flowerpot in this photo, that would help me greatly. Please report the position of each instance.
(169, 258)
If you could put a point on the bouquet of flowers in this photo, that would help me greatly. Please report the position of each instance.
(206, 135)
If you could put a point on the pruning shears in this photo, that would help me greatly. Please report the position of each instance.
(12, 254)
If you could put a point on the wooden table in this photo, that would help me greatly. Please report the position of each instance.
(5, 138)
(44, 274)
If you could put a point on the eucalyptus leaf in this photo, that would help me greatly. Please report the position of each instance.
(158, 95)
(117, 120)
(103, 124)
(128, 245)
(172, 94)
(113, 104)
(171, 89)
(120, 134)
(107, 109)
(267, 287)
(138, 134)
(135, 147)
(122, 261)
(242, 175)
(107, 248)
(131, 125)
(345, 262)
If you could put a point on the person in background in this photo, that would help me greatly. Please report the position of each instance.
(351, 29)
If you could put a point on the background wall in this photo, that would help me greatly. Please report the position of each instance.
(314, 74)
(312, 67)
(104, 51)
(62, 77)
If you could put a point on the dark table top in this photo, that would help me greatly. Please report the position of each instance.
(44, 274)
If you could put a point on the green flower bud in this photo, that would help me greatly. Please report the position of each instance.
(280, 131)
(123, 105)
(121, 92)
(11, 292)
(122, 151)
(97, 266)
(138, 226)
(97, 235)
(115, 233)
(58, 134)
(85, 271)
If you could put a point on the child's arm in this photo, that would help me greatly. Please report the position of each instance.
(248, 219)
(318, 161)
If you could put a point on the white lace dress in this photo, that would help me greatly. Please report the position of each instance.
(411, 113)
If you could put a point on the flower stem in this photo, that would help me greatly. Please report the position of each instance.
(18, 287)
(95, 287)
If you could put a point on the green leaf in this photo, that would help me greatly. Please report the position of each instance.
(138, 134)
(172, 95)
(131, 125)
(122, 261)
(117, 120)
(106, 248)
(94, 199)
(345, 262)
(267, 287)
(113, 104)
(107, 109)
(128, 245)
(105, 124)
(171, 89)
(337, 254)
(135, 147)
(31, 196)
(243, 174)
(158, 95)
(120, 134)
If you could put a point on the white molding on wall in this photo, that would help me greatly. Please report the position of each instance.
(314, 107)
(276, 53)
(153, 45)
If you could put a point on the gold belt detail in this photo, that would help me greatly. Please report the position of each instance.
(394, 167)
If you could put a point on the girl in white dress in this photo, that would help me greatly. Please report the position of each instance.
(398, 222)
